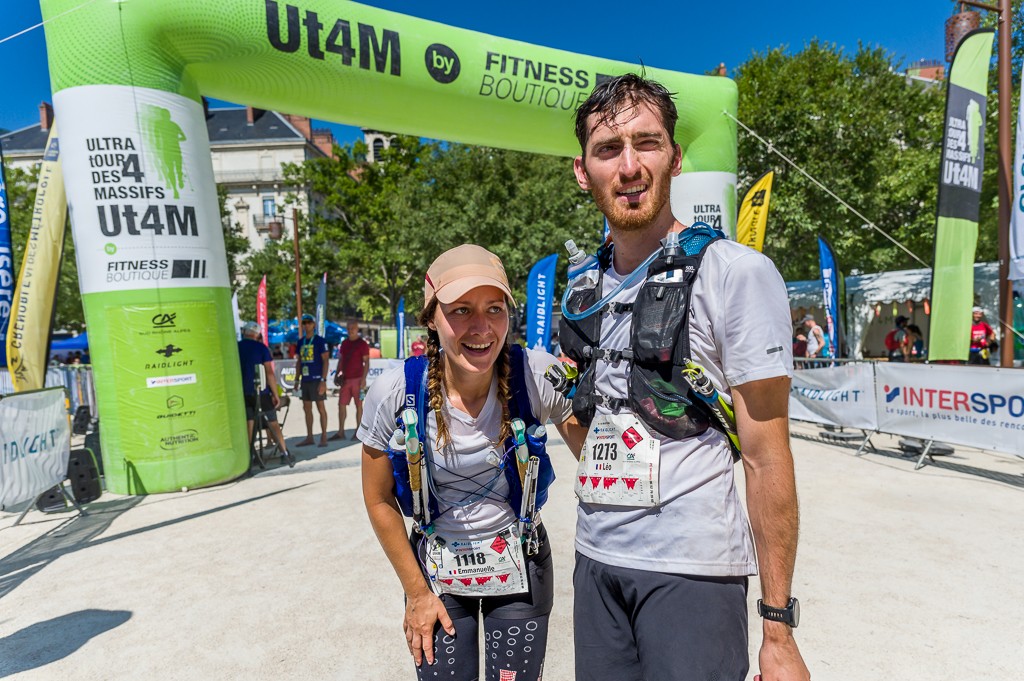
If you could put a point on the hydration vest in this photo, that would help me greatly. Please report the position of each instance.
(519, 406)
(659, 341)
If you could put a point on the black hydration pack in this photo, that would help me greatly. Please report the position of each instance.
(658, 393)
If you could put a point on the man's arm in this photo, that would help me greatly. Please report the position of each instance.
(272, 382)
(325, 357)
(762, 420)
(366, 365)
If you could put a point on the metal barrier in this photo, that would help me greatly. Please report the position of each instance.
(76, 379)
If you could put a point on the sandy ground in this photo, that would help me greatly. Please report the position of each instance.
(901, 574)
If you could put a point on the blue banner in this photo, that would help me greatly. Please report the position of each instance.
(540, 293)
(830, 292)
(7, 280)
(321, 308)
(400, 323)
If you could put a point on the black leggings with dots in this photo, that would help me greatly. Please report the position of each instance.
(513, 650)
(515, 631)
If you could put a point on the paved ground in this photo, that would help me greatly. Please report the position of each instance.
(901, 574)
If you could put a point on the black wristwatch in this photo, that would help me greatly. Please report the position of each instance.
(789, 615)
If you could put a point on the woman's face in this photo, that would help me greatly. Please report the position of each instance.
(472, 330)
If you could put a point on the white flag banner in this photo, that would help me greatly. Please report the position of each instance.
(36, 439)
(975, 406)
(1017, 216)
(842, 395)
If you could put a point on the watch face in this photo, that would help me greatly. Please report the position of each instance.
(795, 606)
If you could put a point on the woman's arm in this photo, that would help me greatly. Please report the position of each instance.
(574, 434)
(422, 608)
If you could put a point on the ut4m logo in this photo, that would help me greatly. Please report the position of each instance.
(169, 351)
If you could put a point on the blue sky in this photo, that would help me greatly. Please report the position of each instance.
(682, 36)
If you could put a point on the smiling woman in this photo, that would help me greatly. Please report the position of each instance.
(473, 484)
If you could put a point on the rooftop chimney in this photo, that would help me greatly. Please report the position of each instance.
(251, 114)
(300, 123)
(324, 141)
(45, 116)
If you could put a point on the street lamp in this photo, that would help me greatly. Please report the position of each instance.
(276, 228)
(957, 26)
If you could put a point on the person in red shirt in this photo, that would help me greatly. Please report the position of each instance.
(419, 346)
(982, 336)
(350, 376)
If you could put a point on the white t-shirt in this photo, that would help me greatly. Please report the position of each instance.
(461, 469)
(739, 332)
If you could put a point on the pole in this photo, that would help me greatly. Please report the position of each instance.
(1005, 181)
(298, 270)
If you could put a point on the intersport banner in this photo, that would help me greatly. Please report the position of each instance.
(956, 232)
(842, 395)
(540, 296)
(831, 291)
(6, 265)
(36, 439)
(753, 218)
(140, 183)
(28, 336)
(981, 408)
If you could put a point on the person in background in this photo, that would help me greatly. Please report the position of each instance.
(799, 345)
(815, 337)
(312, 367)
(915, 343)
(252, 353)
(896, 341)
(983, 338)
(375, 351)
(350, 376)
(419, 346)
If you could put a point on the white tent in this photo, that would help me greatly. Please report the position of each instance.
(873, 301)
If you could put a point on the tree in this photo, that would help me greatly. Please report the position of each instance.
(236, 246)
(21, 194)
(376, 227)
(861, 128)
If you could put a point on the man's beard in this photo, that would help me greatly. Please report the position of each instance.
(634, 218)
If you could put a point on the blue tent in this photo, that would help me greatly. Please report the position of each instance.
(79, 342)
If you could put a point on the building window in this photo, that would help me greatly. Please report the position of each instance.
(269, 208)
(378, 147)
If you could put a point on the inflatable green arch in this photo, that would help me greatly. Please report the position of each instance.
(127, 78)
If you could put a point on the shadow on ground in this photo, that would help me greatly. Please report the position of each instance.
(39, 644)
(941, 462)
(80, 533)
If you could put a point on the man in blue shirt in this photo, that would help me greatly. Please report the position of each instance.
(313, 359)
(252, 353)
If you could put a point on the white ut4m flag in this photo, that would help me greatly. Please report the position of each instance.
(1017, 216)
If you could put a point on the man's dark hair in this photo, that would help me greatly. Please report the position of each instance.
(614, 95)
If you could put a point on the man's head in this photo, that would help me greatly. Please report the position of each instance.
(901, 321)
(977, 313)
(628, 156)
(251, 330)
(308, 325)
(808, 321)
(353, 329)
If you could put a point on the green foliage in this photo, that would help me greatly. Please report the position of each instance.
(859, 127)
(235, 244)
(375, 228)
(21, 194)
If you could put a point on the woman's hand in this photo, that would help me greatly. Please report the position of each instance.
(422, 611)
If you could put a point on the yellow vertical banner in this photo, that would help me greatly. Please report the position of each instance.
(753, 215)
(28, 337)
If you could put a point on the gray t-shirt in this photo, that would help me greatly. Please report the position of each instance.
(462, 469)
(739, 332)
